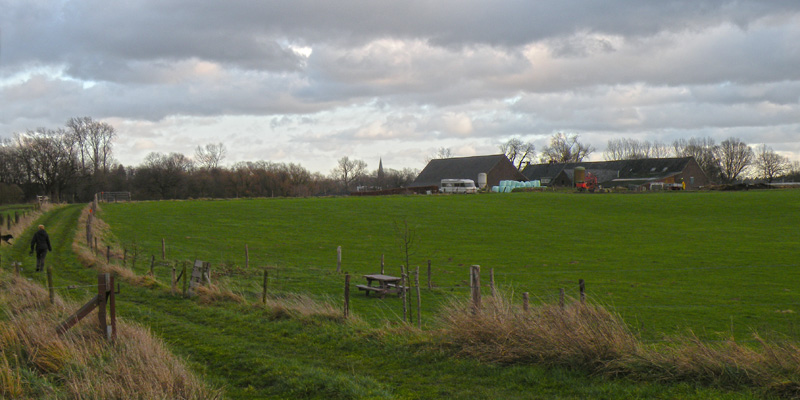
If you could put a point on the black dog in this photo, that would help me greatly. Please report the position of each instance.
(6, 238)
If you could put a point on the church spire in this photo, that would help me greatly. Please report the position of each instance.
(380, 172)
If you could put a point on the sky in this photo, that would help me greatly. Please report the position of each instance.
(310, 82)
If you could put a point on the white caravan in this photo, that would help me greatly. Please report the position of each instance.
(458, 186)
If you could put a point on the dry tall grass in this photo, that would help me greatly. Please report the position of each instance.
(26, 220)
(81, 363)
(591, 338)
(301, 306)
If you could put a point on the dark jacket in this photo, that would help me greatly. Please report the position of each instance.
(41, 241)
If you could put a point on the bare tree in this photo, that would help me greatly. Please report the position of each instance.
(660, 150)
(770, 164)
(734, 157)
(11, 170)
(95, 141)
(622, 149)
(633, 149)
(164, 175)
(348, 171)
(49, 157)
(704, 151)
(518, 151)
(210, 156)
(444, 152)
(406, 238)
(565, 147)
(441, 152)
(794, 172)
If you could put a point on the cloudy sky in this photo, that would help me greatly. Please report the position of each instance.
(311, 81)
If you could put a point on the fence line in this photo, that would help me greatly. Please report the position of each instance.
(288, 274)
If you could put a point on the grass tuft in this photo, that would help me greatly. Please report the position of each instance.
(216, 293)
(292, 305)
(10, 380)
(591, 338)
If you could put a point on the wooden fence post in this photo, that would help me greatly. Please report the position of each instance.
(264, 287)
(475, 284)
(525, 302)
(16, 268)
(246, 257)
(582, 286)
(152, 265)
(561, 297)
(382, 264)
(430, 285)
(105, 295)
(185, 280)
(101, 302)
(163, 249)
(89, 229)
(339, 259)
(346, 295)
(112, 303)
(50, 284)
(491, 282)
(174, 283)
(419, 299)
(108, 254)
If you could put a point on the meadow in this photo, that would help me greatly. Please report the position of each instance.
(720, 264)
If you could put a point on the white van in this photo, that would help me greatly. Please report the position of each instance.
(458, 186)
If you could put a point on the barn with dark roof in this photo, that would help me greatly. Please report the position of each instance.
(642, 173)
(496, 167)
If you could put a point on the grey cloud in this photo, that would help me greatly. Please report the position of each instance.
(429, 71)
(244, 32)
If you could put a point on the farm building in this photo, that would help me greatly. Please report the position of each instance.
(496, 167)
(633, 174)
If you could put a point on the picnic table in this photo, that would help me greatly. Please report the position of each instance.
(382, 284)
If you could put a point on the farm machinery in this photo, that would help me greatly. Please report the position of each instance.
(584, 181)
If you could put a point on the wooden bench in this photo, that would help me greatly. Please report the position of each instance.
(371, 289)
(400, 289)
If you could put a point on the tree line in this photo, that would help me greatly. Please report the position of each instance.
(730, 161)
(75, 162)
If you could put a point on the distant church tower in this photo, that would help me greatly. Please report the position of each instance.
(381, 175)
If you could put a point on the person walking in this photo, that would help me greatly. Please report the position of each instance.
(40, 243)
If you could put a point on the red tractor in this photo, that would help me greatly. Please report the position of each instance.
(589, 183)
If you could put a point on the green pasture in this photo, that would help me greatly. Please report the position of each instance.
(718, 263)
(668, 262)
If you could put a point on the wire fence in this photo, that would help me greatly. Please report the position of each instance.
(242, 267)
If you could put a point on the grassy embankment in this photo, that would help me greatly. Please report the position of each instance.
(36, 363)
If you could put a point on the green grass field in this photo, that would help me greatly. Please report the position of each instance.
(715, 263)
(712, 262)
